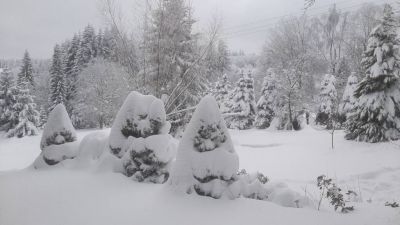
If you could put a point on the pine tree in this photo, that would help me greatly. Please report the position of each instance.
(348, 100)
(223, 60)
(71, 72)
(86, 49)
(25, 108)
(243, 106)
(26, 71)
(266, 103)
(376, 116)
(8, 93)
(221, 94)
(57, 79)
(327, 101)
(42, 118)
(171, 46)
(206, 161)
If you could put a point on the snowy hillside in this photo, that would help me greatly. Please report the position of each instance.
(72, 196)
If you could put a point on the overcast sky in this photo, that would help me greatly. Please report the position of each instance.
(37, 25)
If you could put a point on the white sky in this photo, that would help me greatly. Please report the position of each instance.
(37, 25)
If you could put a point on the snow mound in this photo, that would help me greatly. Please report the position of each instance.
(206, 160)
(139, 116)
(91, 148)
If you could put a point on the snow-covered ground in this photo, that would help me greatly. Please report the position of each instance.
(72, 196)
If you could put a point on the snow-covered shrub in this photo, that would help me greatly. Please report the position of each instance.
(376, 115)
(59, 137)
(250, 185)
(206, 161)
(266, 104)
(139, 116)
(243, 106)
(140, 136)
(92, 147)
(327, 101)
(331, 191)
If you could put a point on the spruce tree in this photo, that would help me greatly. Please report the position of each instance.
(376, 116)
(221, 94)
(266, 103)
(8, 94)
(71, 73)
(42, 118)
(243, 106)
(327, 101)
(57, 79)
(26, 71)
(25, 109)
(348, 99)
(223, 60)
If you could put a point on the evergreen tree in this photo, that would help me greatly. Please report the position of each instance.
(26, 71)
(25, 108)
(87, 47)
(42, 118)
(71, 72)
(327, 101)
(348, 100)
(376, 116)
(221, 94)
(8, 94)
(243, 106)
(57, 79)
(171, 46)
(266, 103)
(223, 61)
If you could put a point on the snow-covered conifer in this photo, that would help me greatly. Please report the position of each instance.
(140, 135)
(58, 133)
(348, 99)
(42, 117)
(8, 94)
(26, 71)
(243, 106)
(221, 94)
(57, 79)
(25, 108)
(266, 103)
(206, 161)
(327, 101)
(376, 116)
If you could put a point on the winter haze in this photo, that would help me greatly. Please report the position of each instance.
(42, 22)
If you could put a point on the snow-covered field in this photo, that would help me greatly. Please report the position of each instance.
(72, 196)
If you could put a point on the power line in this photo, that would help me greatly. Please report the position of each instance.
(266, 26)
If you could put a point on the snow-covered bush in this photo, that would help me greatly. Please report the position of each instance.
(243, 106)
(348, 99)
(140, 136)
(266, 104)
(206, 161)
(376, 115)
(59, 137)
(327, 101)
(139, 116)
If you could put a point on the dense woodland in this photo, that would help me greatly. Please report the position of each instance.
(338, 70)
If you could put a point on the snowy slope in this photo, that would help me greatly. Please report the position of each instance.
(61, 196)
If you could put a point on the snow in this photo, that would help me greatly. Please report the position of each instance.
(291, 160)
